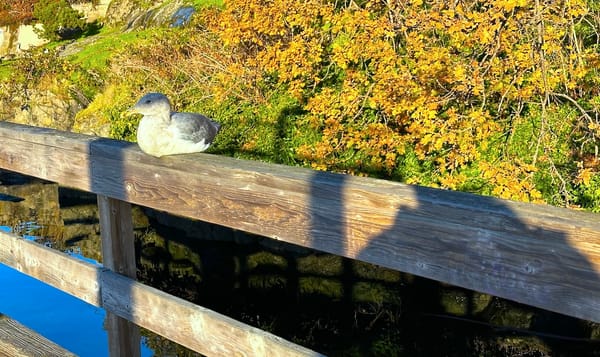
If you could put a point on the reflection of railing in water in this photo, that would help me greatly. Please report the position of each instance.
(538, 255)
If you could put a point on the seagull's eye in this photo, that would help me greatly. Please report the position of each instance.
(148, 101)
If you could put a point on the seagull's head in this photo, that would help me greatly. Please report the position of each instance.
(153, 104)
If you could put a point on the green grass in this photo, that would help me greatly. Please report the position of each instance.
(199, 4)
(6, 69)
(97, 53)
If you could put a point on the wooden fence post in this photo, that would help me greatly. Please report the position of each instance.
(118, 255)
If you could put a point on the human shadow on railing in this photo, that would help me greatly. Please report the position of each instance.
(537, 267)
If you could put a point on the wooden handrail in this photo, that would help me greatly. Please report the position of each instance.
(195, 327)
(539, 255)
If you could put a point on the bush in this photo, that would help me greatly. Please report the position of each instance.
(493, 97)
(448, 83)
(15, 12)
(59, 19)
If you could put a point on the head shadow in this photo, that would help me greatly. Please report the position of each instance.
(519, 254)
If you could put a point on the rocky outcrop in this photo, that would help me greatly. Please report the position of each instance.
(46, 109)
(16, 40)
(131, 15)
(93, 12)
(6, 39)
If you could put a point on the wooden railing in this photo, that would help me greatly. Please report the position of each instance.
(539, 255)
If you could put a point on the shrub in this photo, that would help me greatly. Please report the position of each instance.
(59, 19)
(495, 97)
(446, 82)
(16, 12)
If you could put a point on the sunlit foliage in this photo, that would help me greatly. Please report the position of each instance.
(497, 97)
(59, 19)
(447, 81)
(16, 12)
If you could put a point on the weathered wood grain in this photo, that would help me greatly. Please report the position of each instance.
(118, 255)
(50, 266)
(17, 340)
(190, 325)
(535, 254)
(197, 328)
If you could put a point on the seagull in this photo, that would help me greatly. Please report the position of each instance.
(163, 132)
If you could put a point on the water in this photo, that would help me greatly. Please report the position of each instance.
(58, 316)
(61, 318)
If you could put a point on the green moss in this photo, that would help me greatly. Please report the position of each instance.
(182, 252)
(512, 317)
(267, 281)
(266, 259)
(461, 303)
(106, 114)
(154, 242)
(200, 4)
(6, 70)
(594, 330)
(376, 293)
(320, 286)
(269, 132)
(328, 265)
(183, 268)
(374, 272)
(386, 346)
(96, 51)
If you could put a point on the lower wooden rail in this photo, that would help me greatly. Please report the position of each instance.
(193, 326)
(17, 340)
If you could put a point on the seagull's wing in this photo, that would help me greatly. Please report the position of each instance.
(194, 127)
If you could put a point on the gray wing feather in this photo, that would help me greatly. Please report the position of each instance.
(195, 127)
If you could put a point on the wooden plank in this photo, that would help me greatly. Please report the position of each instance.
(118, 255)
(50, 266)
(193, 326)
(190, 325)
(116, 231)
(17, 340)
(535, 254)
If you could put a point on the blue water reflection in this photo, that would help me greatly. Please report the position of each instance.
(60, 317)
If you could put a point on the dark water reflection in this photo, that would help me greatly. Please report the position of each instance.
(333, 305)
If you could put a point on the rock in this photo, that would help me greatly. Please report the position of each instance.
(182, 16)
(93, 12)
(158, 13)
(47, 109)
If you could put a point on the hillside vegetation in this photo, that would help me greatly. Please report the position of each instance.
(497, 97)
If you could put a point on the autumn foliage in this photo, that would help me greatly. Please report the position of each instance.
(16, 12)
(496, 97)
